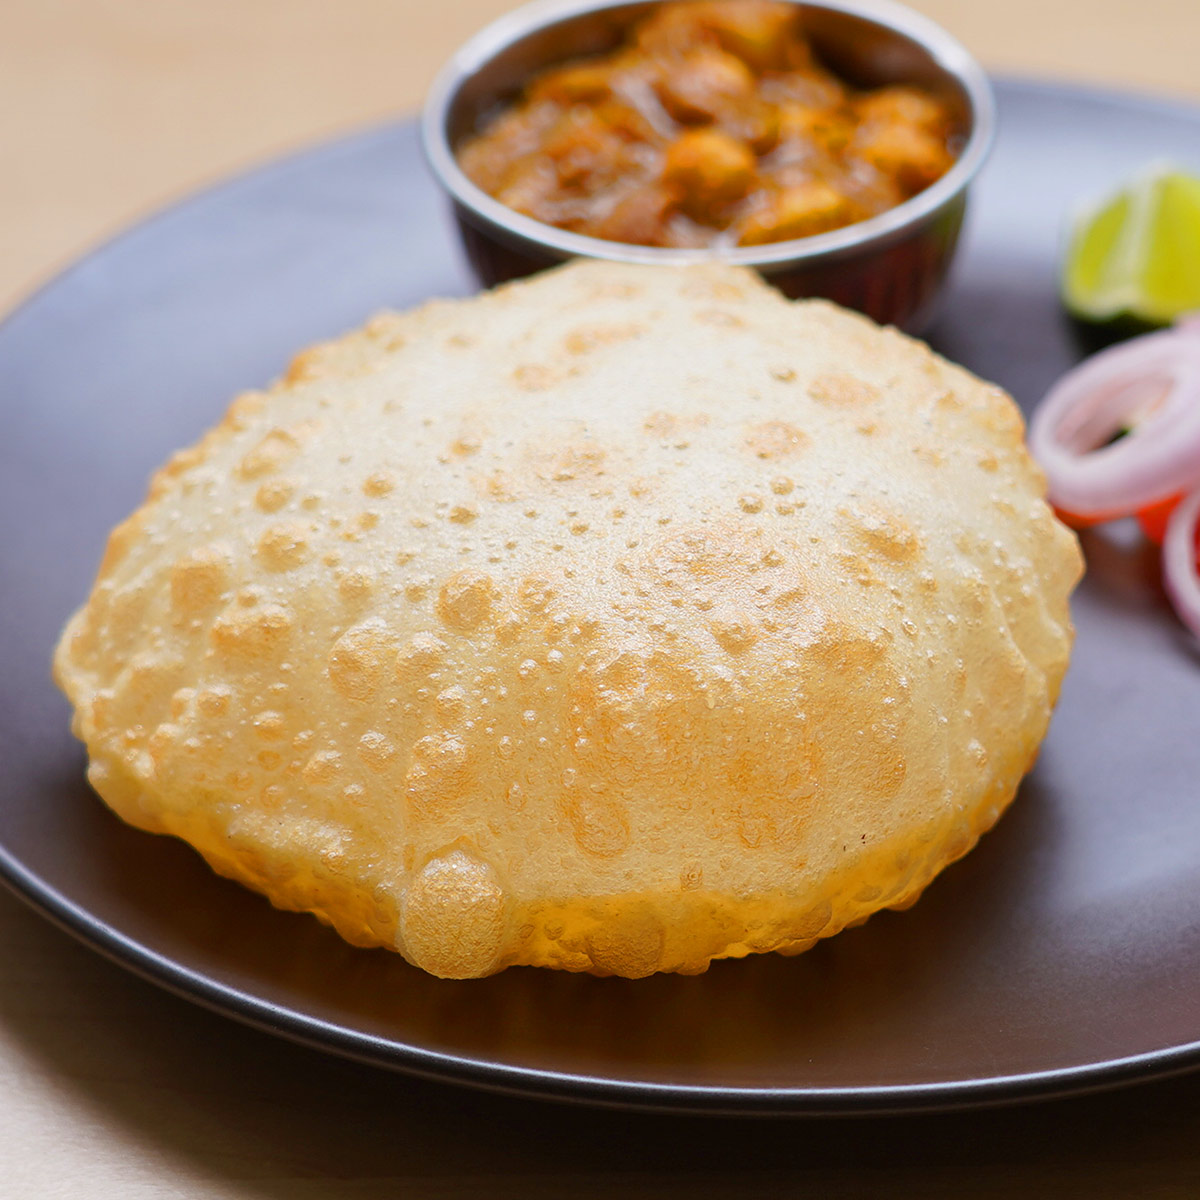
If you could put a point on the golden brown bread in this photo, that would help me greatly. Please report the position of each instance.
(616, 620)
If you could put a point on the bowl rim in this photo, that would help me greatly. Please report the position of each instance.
(943, 48)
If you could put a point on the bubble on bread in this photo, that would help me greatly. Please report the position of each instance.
(616, 621)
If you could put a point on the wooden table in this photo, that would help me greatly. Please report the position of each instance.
(113, 1089)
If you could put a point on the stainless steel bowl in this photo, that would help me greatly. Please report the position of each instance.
(890, 266)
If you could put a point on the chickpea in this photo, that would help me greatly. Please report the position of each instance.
(813, 127)
(704, 84)
(578, 84)
(757, 31)
(708, 169)
(797, 211)
(903, 106)
(908, 154)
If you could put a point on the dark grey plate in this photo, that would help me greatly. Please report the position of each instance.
(1062, 955)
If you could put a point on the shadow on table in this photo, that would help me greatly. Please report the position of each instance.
(272, 1121)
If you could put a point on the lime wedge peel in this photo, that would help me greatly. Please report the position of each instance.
(1136, 253)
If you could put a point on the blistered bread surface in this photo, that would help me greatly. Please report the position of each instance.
(614, 621)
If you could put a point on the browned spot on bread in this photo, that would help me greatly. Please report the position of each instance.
(536, 377)
(465, 600)
(576, 460)
(251, 635)
(668, 425)
(882, 533)
(285, 546)
(775, 439)
(843, 391)
(454, 916)
(200, 578)
(587, 338)
(359, 660)
(275, 449)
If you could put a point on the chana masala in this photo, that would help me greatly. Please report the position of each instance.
(713, 124)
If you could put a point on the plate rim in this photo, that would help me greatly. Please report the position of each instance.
(538, 1082)
(541, 1083)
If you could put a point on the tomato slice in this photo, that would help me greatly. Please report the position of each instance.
(1080, 521)
(1153, 518)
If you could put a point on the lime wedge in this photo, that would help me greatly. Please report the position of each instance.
(1136, 254)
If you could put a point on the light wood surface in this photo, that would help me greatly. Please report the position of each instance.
(112, 1088)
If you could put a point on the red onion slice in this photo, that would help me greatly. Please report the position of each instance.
(1156, 378)
(1181, 573)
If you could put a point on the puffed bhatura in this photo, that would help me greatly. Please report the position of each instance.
(615, 621)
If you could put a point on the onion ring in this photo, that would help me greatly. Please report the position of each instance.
(1157, 377)
(1181, 571)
